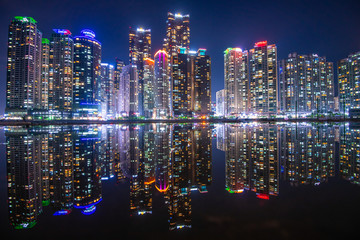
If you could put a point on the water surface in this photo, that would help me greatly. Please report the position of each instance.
(176, 181)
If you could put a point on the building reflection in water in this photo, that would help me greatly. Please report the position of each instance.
(63, 167)
(251, 158)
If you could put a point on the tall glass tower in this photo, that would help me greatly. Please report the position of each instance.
(23, 86)
(107, 91)
(162, 97)
(61, 73)
(45, 73)
(236, 91)
(139, 50)
(349, 81)
(263, 79)
(177, 33)
(87, 61)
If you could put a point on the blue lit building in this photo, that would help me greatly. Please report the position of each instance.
(87, 69)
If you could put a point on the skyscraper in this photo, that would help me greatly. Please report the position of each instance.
(139, 50)
(191, 83)
(119, 64)
(45, 73)
(23, 85)
(162, 106)
(263, 79)
(349, 80)
(107, 91)
(134, 92)
(236, 75)
(201, 95)
(128, 95)
(306, 85)
(177, 33)
(148, 87)
(61, 73)
(177, 45)
(87, 60)
(220, 102)
(182, 71)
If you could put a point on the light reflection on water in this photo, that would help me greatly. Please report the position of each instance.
(63, 170)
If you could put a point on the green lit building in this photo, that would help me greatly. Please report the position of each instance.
(23, 84)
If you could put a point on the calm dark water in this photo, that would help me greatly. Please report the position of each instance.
(180, 181)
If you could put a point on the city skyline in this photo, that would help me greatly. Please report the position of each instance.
(198, 35)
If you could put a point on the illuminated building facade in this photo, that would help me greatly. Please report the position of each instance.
(191, 83)
(87, 69)
(119, 64)
(23, 84)
(220, 102)
(177, 33)
(349, 80)
(263, 79)
(124, 90)
(139, 50)
(306, 85)
(61, 73)
(134, 91)
(45, 73)
(107, 91)
(182, 76)
(236, 91)
(162, 96)
(201, 95)
(148, 81)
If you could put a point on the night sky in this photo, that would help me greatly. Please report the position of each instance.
(328, 28)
